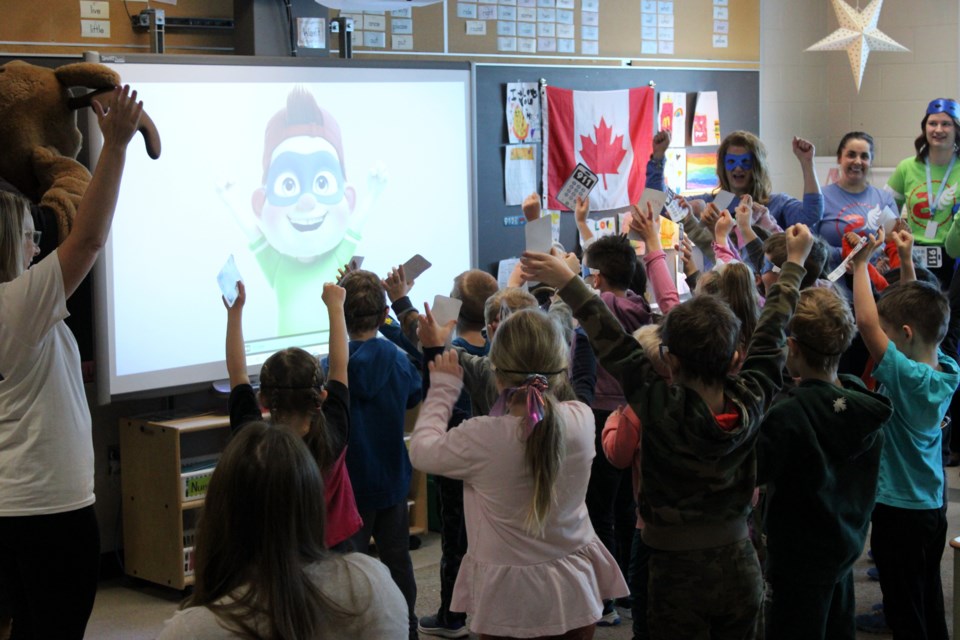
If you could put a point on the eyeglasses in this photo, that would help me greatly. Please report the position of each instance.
(34, 236)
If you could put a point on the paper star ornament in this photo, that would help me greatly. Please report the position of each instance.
(859, 35)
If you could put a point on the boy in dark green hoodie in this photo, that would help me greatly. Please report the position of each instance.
(698, 446)
(819, 454)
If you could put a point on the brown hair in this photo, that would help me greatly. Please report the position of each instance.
(291, 385)
(504, 302)
(614, 257)
(734, 283)
(919, 305)
(262, 524)
(527, 343)
(823, 328)
(776, 248)
(920, 143)
(760, 186)
(12, 210)
(472, 287)
(366, 301)
(702, 333)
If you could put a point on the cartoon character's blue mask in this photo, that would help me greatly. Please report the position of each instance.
(294, 174)
(743, 160)
(944, 105)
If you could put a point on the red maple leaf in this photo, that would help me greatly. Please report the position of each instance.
(605, 155)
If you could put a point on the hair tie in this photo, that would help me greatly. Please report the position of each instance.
(535, 384)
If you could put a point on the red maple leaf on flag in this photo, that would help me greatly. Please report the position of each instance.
(605, 155)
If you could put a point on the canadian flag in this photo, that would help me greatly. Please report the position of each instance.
(611, 132)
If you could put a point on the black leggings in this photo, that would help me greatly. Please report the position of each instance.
(49, 566)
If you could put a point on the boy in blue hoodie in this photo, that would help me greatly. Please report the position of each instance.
(384, 385)
(903, 333)
(819, 454)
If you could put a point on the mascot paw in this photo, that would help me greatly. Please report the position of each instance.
(50, 167)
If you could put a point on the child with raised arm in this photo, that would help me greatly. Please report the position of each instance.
(902, 333)
(535, 567)
(293, 390)
(698, 450)
(384, 385)
(819, 454)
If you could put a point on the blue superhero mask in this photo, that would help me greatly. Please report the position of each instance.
(294, 174)
(944, 105)
(743, 160)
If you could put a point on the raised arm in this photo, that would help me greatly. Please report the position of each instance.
(647, 226)
(864, 306)
(333, 296)
(580, 214)
(95, 214)
(903, 240)
(236, 352)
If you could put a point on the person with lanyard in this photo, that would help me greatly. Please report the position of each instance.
(932, 173)
(742, 170)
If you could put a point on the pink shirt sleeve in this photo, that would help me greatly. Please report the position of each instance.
(663, 285)
(724, 253)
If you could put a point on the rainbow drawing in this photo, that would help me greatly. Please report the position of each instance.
(701, 171)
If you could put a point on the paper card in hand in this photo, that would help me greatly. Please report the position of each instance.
(227, 279)
(355, 262)
(413, 267)
(722, 200)
(539, 234)
(445, 309)
(656, 199)
(580, 183)
(835, 275)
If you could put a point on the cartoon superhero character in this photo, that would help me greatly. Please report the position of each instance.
(307, 218)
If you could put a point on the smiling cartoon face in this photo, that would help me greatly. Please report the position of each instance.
(304, 206)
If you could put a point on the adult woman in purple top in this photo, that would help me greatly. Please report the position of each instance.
(851, 203)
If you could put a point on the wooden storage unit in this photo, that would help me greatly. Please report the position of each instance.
(155, 516)
(157, 520)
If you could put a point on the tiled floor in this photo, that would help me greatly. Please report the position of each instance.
(133, 610)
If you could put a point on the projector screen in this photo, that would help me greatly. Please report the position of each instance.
(292, 171)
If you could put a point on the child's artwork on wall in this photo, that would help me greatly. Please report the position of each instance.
(523, 111)
(672, 116)
(519, 172)
(675, 169)
(706, 120)
(701, 171)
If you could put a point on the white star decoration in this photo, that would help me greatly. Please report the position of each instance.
(839, 405)
(859, 35)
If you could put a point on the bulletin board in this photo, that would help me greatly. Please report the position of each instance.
(702, 33)
(58, 27)
(738, 94)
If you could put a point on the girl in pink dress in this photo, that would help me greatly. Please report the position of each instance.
(534, 568)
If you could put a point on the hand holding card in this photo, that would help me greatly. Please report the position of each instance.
(445, 309)
(413, 267)
(228, 278)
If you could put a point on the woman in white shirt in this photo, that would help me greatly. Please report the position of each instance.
(49, 539)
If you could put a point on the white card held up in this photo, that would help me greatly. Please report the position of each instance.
(539, 234)
(355, 262)
(413, 267)
(842, 267)
(580, 183)
(228, 278)
(655, 199)
(445, 309)
(723, 199)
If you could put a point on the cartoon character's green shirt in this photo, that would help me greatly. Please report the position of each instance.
(299, 285)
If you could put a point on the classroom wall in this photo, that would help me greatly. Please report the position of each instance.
(813, 94)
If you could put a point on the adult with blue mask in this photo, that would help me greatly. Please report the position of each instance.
(928, 185)
(742, 170)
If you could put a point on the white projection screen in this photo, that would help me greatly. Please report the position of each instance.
(387, 174)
